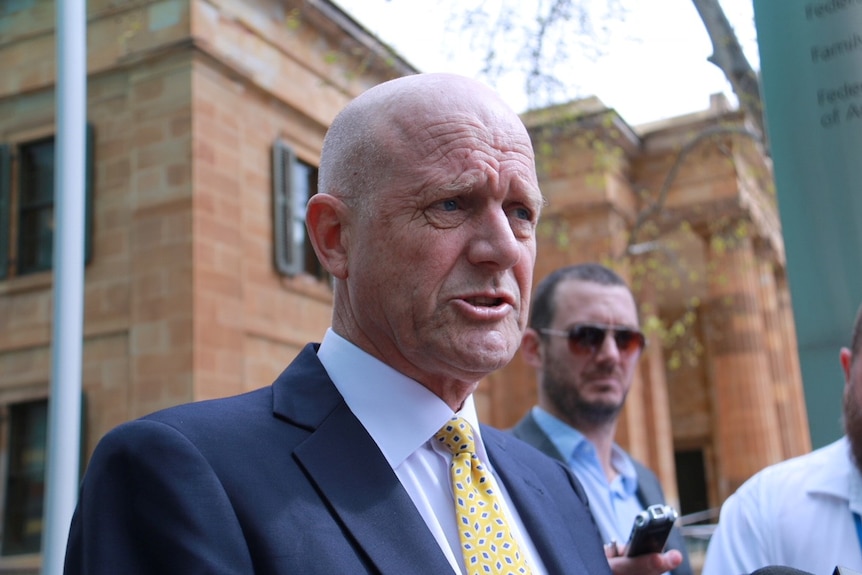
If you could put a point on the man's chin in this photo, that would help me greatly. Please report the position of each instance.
(607, 399)
(601, 411)
(478, 358)
(493, 346)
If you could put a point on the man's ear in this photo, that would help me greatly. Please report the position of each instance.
(531, 348)
(846, 357)
(326, 220)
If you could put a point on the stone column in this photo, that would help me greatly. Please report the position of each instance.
(658, 418)
(634, 426)
(746, 433)
(797, 434)
(633, 431)
(774, 341)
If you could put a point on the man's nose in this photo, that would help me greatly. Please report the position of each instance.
(495, 241)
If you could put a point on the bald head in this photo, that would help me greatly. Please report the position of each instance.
(381, 135)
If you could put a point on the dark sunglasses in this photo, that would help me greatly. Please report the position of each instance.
(588, 338)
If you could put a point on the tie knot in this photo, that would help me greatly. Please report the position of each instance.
(457, 436)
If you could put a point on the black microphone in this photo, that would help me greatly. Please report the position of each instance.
(779, 570)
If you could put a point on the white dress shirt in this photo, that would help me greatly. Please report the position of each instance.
(797, 513)
(402, 416)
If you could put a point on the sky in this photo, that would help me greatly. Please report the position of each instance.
(654, 64)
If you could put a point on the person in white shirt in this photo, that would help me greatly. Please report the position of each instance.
(803, 512)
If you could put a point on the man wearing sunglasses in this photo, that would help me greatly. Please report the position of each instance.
(584, 342)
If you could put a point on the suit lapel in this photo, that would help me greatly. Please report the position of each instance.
(536, 509)
(352, 475)
(528, 430)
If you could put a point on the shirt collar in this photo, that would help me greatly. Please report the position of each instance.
(399, 413)
(564, 437)
(836, 474)
(570, 442)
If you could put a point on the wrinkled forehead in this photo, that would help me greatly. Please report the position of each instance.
(434, 126)
(405, 132)
(459, 141)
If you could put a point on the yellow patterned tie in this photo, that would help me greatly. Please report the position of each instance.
(486, 541)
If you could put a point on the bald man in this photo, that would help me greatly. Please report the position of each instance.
(426, 220)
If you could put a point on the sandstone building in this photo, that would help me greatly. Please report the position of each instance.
(206, 119)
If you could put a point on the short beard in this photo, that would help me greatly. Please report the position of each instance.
(572, 406)
(853, 426)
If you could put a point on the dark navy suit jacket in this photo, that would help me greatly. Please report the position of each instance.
(649, 491)
(286, 480)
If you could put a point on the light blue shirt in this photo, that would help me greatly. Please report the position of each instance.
(613, 504)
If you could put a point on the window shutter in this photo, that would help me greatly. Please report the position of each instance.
(287, 247)
(89, 171)
(5, 205)
(25, 477)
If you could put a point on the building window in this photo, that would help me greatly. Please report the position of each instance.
(27, 205)
(294, 182)
(25, 480)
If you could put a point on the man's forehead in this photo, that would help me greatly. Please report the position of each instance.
(585, 296)
(594, 290)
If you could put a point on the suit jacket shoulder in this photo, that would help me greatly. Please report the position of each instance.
(285, 479)
(280, 480)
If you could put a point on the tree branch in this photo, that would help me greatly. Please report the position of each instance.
(727, 54)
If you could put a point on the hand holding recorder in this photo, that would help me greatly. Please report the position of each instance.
(650, 530)
(642, 554)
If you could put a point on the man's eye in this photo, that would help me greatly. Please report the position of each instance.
(449, 205)
(523, 214)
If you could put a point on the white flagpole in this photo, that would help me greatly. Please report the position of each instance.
(64, 403)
